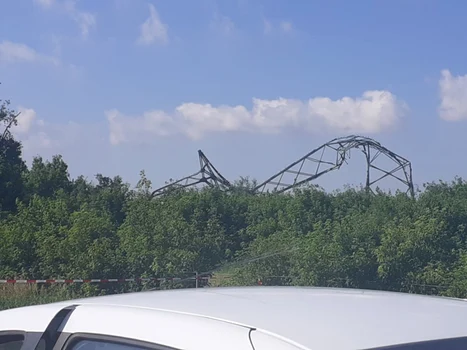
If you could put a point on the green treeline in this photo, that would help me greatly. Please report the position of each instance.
(52, 226)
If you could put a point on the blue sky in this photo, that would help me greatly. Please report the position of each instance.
(118, 86)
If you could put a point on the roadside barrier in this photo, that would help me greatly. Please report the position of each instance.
(99, 280)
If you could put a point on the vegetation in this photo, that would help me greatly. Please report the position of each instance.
(52, 226)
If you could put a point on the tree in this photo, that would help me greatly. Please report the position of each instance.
(58, 227)
(46, 178)
(12, 165)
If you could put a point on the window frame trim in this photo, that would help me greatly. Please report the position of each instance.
(13, 332)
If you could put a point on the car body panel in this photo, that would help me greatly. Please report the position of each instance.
(313, 318)
(176, 330)
(29, 318)
(264, 340)
(317, 318)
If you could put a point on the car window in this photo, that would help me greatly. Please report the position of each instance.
(103, 345)
(438, 344)
(11, 341)
(41, 345)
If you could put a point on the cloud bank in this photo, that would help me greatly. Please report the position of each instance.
(453, 95)
(29, 130)
(11, 52)
(39, 136)
(374, 112)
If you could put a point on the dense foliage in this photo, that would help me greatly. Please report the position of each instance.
(52, 226)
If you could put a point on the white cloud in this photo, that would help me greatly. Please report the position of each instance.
(15, 52)
(374, 112)
(267, 26)
(453, 94)
(222, 24)
(37, 142)
(153, 29)
(285, 27)
(44, 3)
(30, 131)
(85, 20)
(72, 140)
(123, 4)
(124, 128)
(38, 136)
(24, 120)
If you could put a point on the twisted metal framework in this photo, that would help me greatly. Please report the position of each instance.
(340, 147)
(297, 173)
(207, 174)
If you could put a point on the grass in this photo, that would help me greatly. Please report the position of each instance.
(18, 295)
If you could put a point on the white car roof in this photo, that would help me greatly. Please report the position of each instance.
(316, 318)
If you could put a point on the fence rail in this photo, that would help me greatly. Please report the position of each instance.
(206, 281)
(100, 280)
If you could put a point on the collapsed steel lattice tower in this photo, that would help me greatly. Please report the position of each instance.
(207, 174)
(321, 162)
(341, 147)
